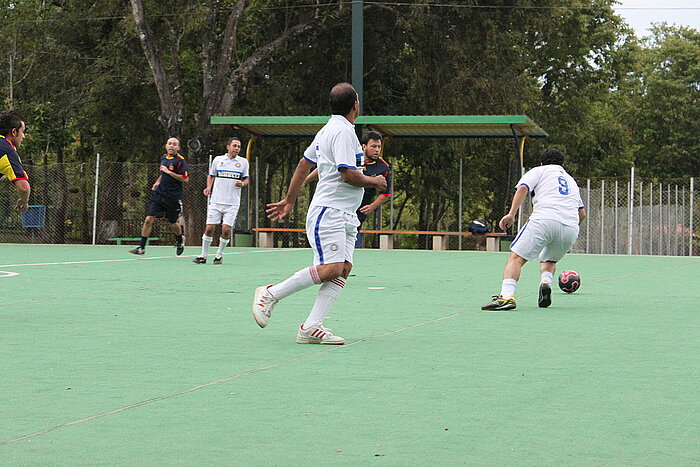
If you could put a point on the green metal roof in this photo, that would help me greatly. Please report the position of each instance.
(414, 126)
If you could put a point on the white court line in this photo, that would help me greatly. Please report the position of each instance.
(8, 274)
(223, 380)
(133, 259)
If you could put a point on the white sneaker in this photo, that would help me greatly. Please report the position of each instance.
(263, 303)
(318, 335)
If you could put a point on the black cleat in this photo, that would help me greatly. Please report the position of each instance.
(499, 303)
(137, 251)
(219, 260)
(545, 298)
(180, 246)
(199, 260)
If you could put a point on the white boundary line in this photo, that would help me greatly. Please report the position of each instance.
(223, 380)
(8, 274)
(137, 259)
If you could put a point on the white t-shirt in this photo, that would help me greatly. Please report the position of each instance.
(555, 194)
(335, 146)
(227, 172)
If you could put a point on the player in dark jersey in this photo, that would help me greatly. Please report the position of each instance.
(12, 128)
(166, 196)
(374, 165)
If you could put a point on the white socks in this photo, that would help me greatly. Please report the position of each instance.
(222, 246)
(299, 281)
(206, 243)
(327, 295)
(508, 288)
(546, 277)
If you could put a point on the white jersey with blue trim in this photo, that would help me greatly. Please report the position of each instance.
(336, 146)
(555, 194)
(227, 172)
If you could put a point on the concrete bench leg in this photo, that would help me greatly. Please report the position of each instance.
(386, 242)
(440, 242)
(266, 240)
(493, 244)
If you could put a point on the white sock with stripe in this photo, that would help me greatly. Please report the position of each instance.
(546, 277)
(325, 299)
(206, 243)
(508, 288)
(222, 246)
(300, 280)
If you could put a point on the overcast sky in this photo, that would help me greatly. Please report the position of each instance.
(639, 14)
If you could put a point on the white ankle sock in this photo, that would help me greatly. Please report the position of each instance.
(206, 243)
(222, 246)
(325, 299)
(546, 277)
(508, 288)
(299, 281)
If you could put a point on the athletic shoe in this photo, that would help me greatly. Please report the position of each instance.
(263, 303)
(218, 260)
(545, 298)
(137, 251)
(500, 303)
(199, 260)
(318, 335)
(180, 246)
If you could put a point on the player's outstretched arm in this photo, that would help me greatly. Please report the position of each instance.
(508, 220)
(279, 210)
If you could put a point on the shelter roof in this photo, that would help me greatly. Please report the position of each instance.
(403, 126)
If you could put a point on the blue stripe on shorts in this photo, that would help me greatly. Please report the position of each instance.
(316, 236)
(519, 234)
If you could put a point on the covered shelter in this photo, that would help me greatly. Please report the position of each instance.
(518, 128)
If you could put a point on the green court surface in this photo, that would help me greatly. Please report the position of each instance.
(112, 359)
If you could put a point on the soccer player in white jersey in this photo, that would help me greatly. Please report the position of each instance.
(228, 174)
(331, 222)
(549, 233)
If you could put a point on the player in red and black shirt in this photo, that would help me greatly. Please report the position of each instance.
(12, 128)
(166, 196)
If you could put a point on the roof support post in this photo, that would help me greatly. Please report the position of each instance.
(519, 151)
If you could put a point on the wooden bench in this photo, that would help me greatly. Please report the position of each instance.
(120, 240)
(266, 237)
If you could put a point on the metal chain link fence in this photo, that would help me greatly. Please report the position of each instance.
(625, 216)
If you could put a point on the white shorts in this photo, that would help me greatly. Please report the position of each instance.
(547, 239)
(218, 213)
(331, 234)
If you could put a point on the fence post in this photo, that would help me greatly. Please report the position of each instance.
(602, 217)
(588, 207)
(617, 214)
(94, 206)
(641, 216)
(692, 189)
(630, 217)
(459, 241)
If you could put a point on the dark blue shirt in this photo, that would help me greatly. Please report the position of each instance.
(169, 186)
(372, 168)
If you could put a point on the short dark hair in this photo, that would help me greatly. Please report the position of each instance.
(342, 98)
(10, 120)
(552, 156)
(370, 135)
(233, 138)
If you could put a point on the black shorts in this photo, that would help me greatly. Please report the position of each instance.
(162, 206)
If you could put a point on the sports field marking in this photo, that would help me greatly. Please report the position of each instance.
(8, 274)
(127, 259)
(226, 379)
